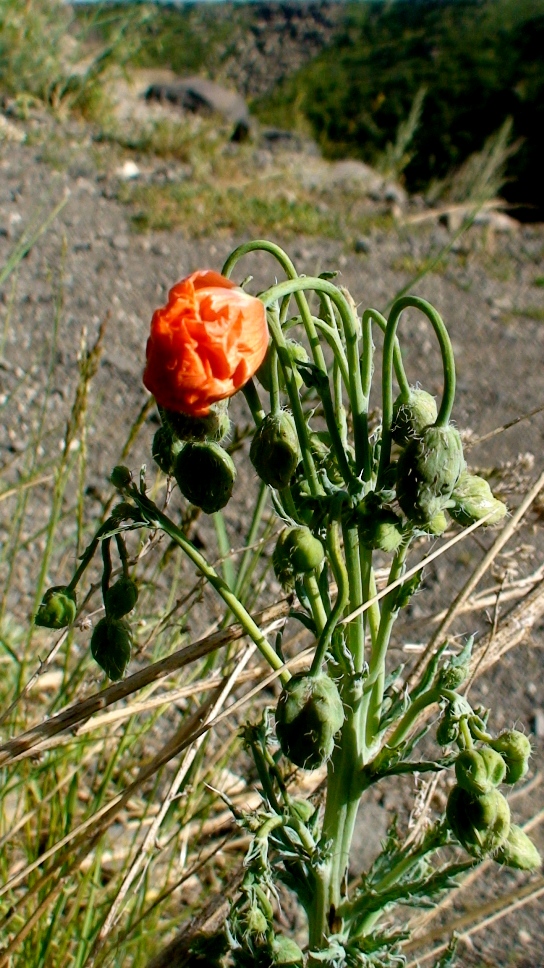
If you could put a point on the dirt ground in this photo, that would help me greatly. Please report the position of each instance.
(89, 265)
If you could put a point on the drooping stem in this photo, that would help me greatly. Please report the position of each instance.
(157, 519)
(448, 364)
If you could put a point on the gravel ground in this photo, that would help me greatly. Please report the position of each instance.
(89, 265)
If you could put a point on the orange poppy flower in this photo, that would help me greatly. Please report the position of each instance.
(205, 344)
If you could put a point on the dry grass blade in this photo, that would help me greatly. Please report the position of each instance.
(477, 574)
(24, 744)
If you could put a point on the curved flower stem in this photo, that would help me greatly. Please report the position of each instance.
(253, 401)
(157, 519)
(351, 336)
(374, 684)
(264, 245)
(341, 577)
(316, 602)
(402, 379)
(448, 364)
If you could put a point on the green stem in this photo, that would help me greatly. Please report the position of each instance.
(402, 379)
(253, 402)
(405, 725)
(448, 364)
(156, 519)
(316, 603)
(342, 598)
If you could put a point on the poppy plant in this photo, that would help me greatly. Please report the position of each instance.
(205, 344)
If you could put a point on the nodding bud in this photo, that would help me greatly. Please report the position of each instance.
(121, 598)
(205, 475)
(285, 951)
(165, 448)
(427, 472)
(297, 552)
(120, 477)
(274, 450)
(213, 426)
(448, 728)
(58, 608)
(308, 716)
(297, 353)
(411, 415)
(479, 821)
(111, 646)
(379, 528)
(478, 771)
(474, 500)
(518, 851)
(515, 749)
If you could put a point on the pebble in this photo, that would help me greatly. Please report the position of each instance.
(362, 245)
(120, 242)
(128, 171)
(538, 723)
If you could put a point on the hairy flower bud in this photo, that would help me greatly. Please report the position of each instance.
(274, 450)
(164, 449)
(120, 477)
(480, 822)
(474, 500)
(478, 771)
(58, 608)
(518, 851)
(205, 475)
(121, 598)
(111, 646)
(297, 353)
(308, 716)
(297, 552)
(427, 471)
(515, 749)
(379, 528)
(448, 728)
(212, 426)
(285, 951)
(412, 415)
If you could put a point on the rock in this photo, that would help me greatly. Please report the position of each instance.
(355, 174)
(120, 242)
(201, 96)
(538, 723)
(128, 170)
(362, 245)
(10, 131)
(279, 139)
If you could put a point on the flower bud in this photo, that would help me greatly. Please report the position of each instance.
(205, 475)
(427, 471)
(518, 851)
(515, 749)
(308, 716)
(473, 500)
(285, 951)
(448, 728)
(120, 477)
(379, 528)
(164, 449)
(478, 771)
(297, 552)
(303, 809)
(111, 645)
(480, 822)
(298, 354)
(58, 608)
(256, 921)
(274, 450)
(121, 598)
(411, 415)
(213, 426)
(437, 525)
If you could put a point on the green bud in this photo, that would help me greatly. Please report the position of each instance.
(473, 500)
(205, 475)
(518, 851)
(164, 449)
(478, 771)
(298, 354)
(214, 426)
(427, 471)
(274, 450)
(111, 645)
(285, 951)
(297, 552)
(437, 525)
(303, 809)
(121, 598)
(308, 716)
(412, 415)
(379, 528)
(256, 921)
(480, 822)
(58, 608)
(120, 477)
(448, 728)
(515, 749)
